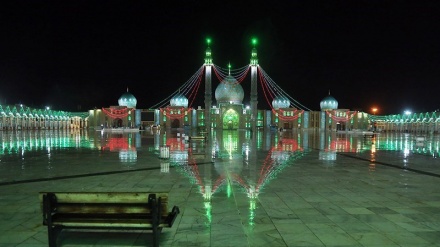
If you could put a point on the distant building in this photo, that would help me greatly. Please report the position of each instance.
(21, 117)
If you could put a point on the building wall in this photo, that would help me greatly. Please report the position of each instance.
(98, 119)
(177, 117)
(288, 118)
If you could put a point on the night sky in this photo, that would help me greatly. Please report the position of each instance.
(77, 55)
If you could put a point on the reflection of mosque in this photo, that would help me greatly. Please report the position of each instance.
(237, 170)
(48, 141)
(125, 144)
(235, 163)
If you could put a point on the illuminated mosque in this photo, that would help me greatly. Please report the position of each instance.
(229, 111)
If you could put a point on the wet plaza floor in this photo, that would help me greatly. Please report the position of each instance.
(300, 188)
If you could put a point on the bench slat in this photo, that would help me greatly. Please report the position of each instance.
(105, 197)
(106, 224)
(102, 220)
(107, 208)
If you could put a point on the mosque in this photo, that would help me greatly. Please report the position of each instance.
(228, 111)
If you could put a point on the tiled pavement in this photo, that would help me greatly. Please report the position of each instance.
(269, 197)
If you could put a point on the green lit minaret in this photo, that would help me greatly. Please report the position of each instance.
(208, 90)
(208, 150)
(254, 96)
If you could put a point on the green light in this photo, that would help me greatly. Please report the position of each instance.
(254, 41)
(208, 41)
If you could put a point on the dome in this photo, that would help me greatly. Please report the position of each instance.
(179, 100)
(229, 91)
(128, 100)
(280, 102)
(329, 103)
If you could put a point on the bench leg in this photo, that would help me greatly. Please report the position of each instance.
(52, 233)
(155, 237)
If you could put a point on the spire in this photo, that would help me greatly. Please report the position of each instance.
(127, 89)
(208, 57)
(254, 57)
(229, 68)
(329, 92)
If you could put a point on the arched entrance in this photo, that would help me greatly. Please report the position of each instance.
(175, 123)
(341, 126)
(231, 120)
(117, 122)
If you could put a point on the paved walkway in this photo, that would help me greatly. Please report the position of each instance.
(285, 195)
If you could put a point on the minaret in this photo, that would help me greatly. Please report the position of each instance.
(208, 147)
(254, 93)
(208, 90)
(252, 165)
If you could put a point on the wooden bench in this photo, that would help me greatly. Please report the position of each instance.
(106, 210)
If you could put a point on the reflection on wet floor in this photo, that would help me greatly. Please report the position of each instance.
(300, 188)
(23, 146)
(226, 141)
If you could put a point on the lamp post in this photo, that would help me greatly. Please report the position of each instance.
(373, 123)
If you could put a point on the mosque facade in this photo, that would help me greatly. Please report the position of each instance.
(123, 115)
(228, 110)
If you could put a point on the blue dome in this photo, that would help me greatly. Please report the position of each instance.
(280, 102)
(229, 91)
(329, 103)
(179, 100)
(128, 100)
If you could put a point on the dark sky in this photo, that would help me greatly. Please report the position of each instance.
(71, 54)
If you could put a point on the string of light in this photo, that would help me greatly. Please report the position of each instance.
(234, 72)
(195, 84)
(295, 114)
(186, 87)
(193, 94)
(266, 91)
(292, 100)
(263, 86)
(272, 167)
(289, 118)
(167, 112)
(239, 74)
(270, 90)
(347, 116)
(117, 113)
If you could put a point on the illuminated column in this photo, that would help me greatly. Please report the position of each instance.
(208, 90)
(254, 94)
